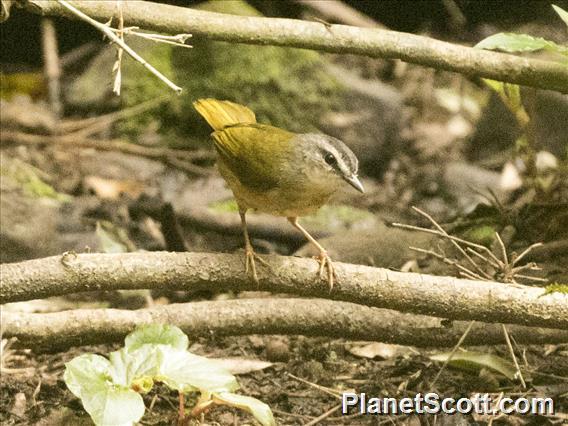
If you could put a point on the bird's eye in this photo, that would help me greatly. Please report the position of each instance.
(330, 159)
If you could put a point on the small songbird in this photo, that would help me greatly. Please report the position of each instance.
(277, 172)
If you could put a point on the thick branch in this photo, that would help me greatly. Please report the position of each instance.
(446, 297)
(311, 317)
(372, 42)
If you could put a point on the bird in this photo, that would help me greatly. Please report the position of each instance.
(274, 171)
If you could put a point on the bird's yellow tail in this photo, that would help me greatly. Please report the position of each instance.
(220, 114)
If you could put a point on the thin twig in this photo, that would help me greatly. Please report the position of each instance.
(527, 267)
(505, 266)
(463, 269)
(484, 258)
(117, 67)
(456, 245)
(323, 416)
(525, 252)
(503, 249)
(175, 40)
(115, 39)
(448, 236)
(512, 352)
(453, 352)
(528, 277)
(331, 392)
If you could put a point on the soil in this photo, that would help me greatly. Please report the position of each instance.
(298, 390)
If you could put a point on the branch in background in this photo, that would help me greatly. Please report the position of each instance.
(343, 39)
(337, 11)
(52, 66)
(202, 218)
(176, 158)
(310, 317)
(83, 127)
(446, 297)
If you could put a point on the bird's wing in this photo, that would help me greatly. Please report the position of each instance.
(254, 153)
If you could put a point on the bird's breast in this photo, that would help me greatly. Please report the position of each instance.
(287, 199)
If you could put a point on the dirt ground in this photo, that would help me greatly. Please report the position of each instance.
(297, 390)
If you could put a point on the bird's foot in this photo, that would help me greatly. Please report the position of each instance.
(250, 264)
(326, 263)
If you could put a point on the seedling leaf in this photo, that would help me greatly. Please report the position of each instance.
(110, 388)
(157, 334)
(187, 372)
(129, 366)
(258, 409)
(476, 361)
(89, 377)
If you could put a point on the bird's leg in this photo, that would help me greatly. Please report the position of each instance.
(323, 258)
(250, 255)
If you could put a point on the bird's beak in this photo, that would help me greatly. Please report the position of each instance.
(355, 183)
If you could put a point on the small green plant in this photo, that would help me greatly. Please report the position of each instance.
(522, 43)
(510, 94)
(110, 388)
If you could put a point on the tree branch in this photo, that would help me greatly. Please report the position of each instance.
(329, 38)
(445, 297)
(310, 317)
(176, 158)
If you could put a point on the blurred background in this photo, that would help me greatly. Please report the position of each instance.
(83, 169)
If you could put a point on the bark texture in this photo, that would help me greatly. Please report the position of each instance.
(371, 42)
(310, 317)
(445, 297)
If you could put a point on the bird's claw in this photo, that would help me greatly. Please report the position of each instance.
(250, 264)
(325, 263)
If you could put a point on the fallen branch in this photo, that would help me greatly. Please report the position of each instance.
(343, 39)
(176, 158)
(202, 218)
(310, 317)
(446, 297)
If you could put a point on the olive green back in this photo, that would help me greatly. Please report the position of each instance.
(256, 153)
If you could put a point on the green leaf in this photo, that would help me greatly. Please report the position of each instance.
(258, 409)
(130, 366)
(562, 13)
(161, 334)
(517, 43)
(187, 372)
(86, 373)
(476, 361)
(510, 94)
(89, 377)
